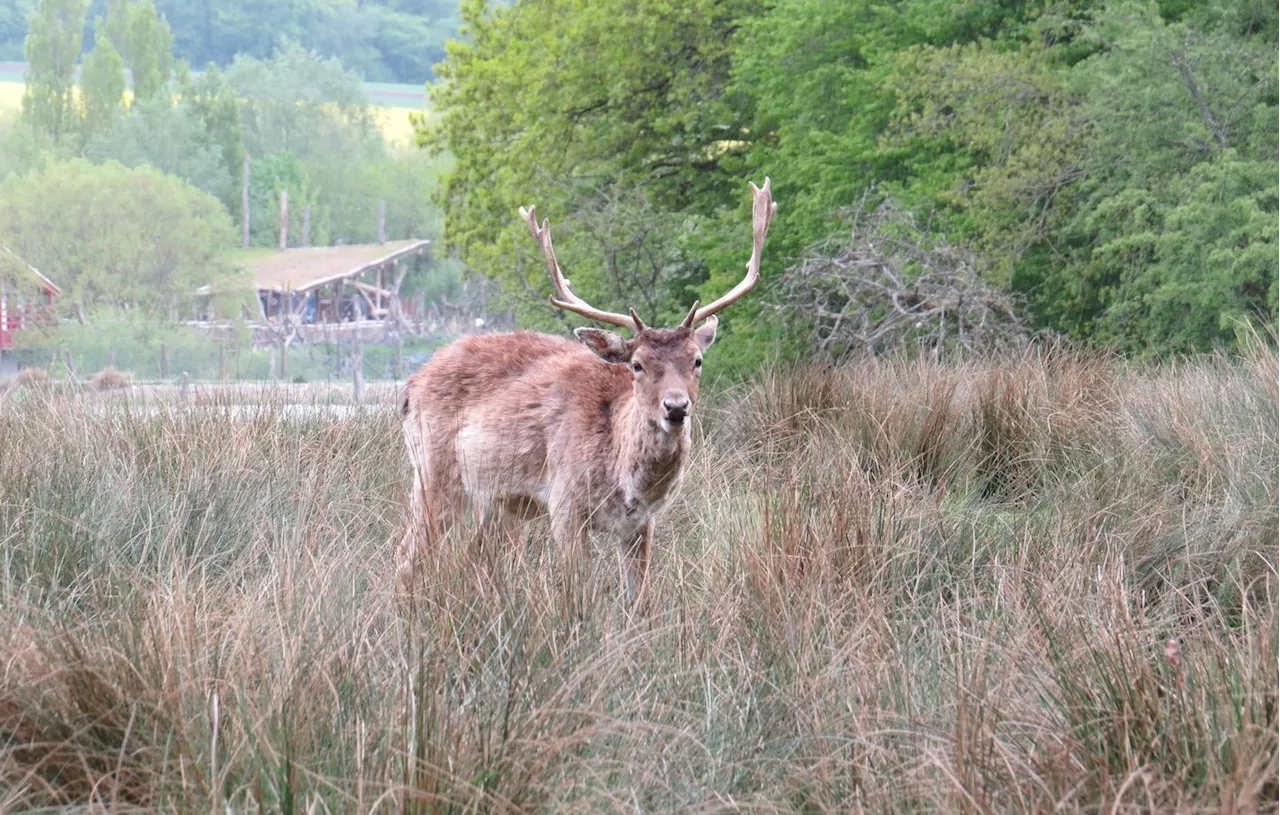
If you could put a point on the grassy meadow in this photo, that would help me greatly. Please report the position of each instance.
(1033, 585)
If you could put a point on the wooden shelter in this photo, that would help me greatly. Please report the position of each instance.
(26, 296)
(314, 290)
(333, 284)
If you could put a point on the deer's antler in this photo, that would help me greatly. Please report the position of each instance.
(564, 298)
(762, 211)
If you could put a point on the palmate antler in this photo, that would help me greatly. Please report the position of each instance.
(564, 298)
(762, 211)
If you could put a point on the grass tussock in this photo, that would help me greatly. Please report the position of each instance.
(29, 378)
(111, 379)
(1047, 583)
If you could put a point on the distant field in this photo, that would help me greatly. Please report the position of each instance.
(394, 124)
(10, 95)
(393, 103)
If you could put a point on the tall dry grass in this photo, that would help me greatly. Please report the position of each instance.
(1035, 585)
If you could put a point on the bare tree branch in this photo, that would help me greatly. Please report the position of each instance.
(888, 285)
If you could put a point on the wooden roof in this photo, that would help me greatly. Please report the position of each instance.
(305, 269)
(44, 281)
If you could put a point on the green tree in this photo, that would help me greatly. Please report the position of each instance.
(382, 40)
(308, 127)
(145, 41)
(54, 37)
(298, 103)
(102, 85)
(169, 137)
(1175, 240)
(212, 101)
(22, 148)
(268, 177)
(568, 104)
(1109, 166)
(116, 236)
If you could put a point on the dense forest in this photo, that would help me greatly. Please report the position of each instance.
(1104, 171)
(386, 41)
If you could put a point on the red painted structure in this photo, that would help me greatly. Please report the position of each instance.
(24, 302)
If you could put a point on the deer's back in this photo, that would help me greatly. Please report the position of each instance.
(514, 406)
(475, 370)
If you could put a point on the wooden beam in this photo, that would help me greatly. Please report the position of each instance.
(374, 308)
(373, 290)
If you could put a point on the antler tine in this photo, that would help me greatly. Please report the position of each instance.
(564, 297)
(689, 319)
(635, 318)
(762, 210)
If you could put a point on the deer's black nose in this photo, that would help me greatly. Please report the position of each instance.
(676, 409)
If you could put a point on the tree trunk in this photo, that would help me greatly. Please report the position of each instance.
(244, 204)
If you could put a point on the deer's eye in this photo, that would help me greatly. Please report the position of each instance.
(637, 367)
(697, 362)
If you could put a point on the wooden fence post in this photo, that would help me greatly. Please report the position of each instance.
(357, 373)
(284, 219)
(244, 203)
(382, 220)
(306, 226)
(164, 361)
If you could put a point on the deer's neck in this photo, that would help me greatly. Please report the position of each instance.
(650, 460)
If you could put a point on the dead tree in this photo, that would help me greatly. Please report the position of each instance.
(886, 284)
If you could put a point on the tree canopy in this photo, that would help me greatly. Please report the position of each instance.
(116, 236)
(1110, 165)
(53, 50)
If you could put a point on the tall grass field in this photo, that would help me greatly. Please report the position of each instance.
(1043, 584)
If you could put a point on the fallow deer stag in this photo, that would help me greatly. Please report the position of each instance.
(596, 432)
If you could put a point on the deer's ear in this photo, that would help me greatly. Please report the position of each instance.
(705, 334)
(608, 346)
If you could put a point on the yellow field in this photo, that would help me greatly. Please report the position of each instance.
(10, 95)
(393, 122)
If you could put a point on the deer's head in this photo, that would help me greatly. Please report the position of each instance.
(666, 363)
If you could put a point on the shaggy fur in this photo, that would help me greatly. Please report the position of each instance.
(507, 424)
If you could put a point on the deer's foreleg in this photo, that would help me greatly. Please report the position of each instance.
(634, 560)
